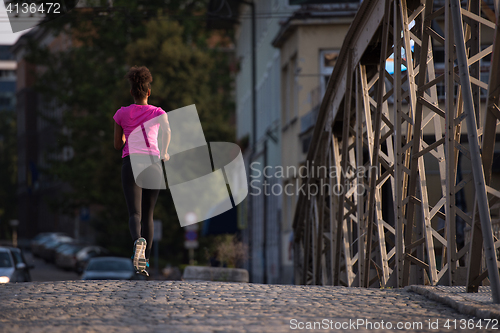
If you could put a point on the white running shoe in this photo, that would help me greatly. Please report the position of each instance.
(139, 259)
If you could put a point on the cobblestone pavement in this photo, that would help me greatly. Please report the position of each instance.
(175, 306)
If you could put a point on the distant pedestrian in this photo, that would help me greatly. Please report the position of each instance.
(141, 200)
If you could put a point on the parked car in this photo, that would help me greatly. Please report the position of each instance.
(111, 268)
(13, 266)
(66, 256)
(48, 249)
(42, 238)
(37, 242)
(84, 255)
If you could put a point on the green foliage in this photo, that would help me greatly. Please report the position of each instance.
(227, 250)
(185, 75)
(87, 81)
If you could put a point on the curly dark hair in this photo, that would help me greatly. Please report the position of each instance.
(140, 79)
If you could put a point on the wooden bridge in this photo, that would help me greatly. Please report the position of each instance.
(378, 133)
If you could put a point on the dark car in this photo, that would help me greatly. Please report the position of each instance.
(84, 255)
(111, 268)
(13, 266)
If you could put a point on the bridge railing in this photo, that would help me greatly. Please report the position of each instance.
(384, 158)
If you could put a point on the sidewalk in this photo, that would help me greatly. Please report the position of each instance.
(179, 306)
(478, 304)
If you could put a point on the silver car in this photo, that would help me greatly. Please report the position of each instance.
(13, 267)
(84, 255)
(40, 239)
(66, 256)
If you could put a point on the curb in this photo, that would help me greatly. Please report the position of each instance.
(458, 302)
(223, 274)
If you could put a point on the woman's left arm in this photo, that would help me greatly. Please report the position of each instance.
(119, 137)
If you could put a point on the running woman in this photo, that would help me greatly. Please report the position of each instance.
(141, 201)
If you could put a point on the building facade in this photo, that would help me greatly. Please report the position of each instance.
(37, 138)
(7, 79)
(296, 47)
(259, 216)
(309, 42)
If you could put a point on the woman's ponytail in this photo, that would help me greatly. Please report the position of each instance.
(140, 81)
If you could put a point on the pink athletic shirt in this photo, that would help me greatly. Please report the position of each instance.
(133, 116)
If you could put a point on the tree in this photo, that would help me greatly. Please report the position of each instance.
(87, 81)
(8, 167)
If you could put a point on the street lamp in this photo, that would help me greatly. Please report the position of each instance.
(14, 224)
(254, 120)
(254, 76)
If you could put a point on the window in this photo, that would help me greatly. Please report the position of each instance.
(5, 53)
(285, 93)
(7, 74)
(5, 260)
(294, 92)
(5, 101)
(262, 8)
(289, 212)
(327, 60)
(438, 57)
(290, 91)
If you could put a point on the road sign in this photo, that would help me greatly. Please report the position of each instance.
(84, 214)
(191, 227)
(191, 236)
(191, 232)
(191, 244)
(157, 230)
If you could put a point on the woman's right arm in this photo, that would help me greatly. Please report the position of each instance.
(165, 129)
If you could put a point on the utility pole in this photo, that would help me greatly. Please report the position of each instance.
(254, 74)
(254, 121)
(253, 46)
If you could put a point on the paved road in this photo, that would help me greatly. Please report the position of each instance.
(176, 306)
(48, 272)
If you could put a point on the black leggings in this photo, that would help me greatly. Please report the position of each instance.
(141, 204)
